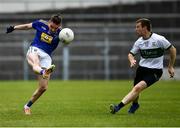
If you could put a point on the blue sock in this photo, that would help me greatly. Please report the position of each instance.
(29, 103)
(120, 105)
(135, 103)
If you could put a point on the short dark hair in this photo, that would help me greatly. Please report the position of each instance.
(145, 22)
(56, 19)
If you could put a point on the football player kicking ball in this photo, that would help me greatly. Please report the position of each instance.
(38, 56)
(151, 47)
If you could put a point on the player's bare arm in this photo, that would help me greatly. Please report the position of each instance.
(172, 58)
(19, 27)
(23, 26)
(132, 60)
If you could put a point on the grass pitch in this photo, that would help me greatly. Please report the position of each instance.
(86, 103)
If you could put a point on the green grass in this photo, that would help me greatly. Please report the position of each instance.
(86, 103)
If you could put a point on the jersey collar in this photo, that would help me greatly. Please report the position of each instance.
(148, 37)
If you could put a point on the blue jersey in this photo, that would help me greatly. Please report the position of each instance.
(44, 39)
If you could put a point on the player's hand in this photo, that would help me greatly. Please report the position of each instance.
(171, 72)
(10, 29)
(132, 63)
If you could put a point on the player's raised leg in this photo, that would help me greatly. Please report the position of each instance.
(33, 61)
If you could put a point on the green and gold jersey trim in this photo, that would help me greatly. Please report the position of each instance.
(151, 53)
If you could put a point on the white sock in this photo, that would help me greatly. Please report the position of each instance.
(25, 106)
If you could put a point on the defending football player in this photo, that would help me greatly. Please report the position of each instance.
(151, 47)
(39, 53)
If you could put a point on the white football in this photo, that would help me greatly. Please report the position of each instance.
(66, 35)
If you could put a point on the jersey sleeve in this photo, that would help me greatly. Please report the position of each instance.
(165, 43)
(35, 24)
(135, 49)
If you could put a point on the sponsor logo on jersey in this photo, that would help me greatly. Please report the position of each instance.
(46, 38)
(152, 53)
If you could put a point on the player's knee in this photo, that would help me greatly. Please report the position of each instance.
(43, 88)
(137, 88)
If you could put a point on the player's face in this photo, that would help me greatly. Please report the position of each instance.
(53, 27)
(139, 29)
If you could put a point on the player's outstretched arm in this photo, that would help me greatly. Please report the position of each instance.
(19, 27)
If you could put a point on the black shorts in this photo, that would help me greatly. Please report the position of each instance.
(150, 76)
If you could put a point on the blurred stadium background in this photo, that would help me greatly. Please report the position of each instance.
(104, 34)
